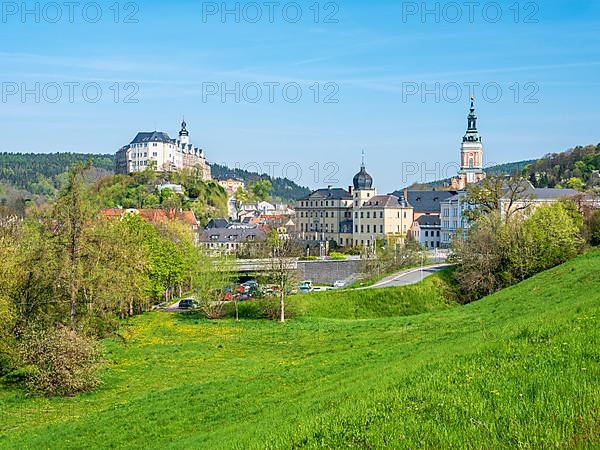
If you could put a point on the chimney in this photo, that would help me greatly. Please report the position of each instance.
(406, 194)
(350, 189)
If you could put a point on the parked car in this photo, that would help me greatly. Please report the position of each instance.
(188, 303)
(304, 290)
(307, 283)
(250, 284)
(339, 284)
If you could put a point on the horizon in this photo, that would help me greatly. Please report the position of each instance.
(390, 79)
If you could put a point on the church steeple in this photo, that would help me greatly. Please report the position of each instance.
(472, 135)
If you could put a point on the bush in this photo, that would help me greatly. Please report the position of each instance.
(499, 253)
(336, 256)
(595, 228)
(60, 361)
(271, 309)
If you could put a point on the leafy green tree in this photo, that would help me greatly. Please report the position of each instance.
(575, 183)
(261, 189)
(72, 214)
(498, 253)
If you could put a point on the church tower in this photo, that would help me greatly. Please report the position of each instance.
(471, 154)
(184, 134)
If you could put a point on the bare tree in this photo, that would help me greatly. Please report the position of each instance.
(506, 195)
(283, 270)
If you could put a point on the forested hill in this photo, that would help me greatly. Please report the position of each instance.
(576, 168)
(282, 187)
(499, 169)
(40, 173)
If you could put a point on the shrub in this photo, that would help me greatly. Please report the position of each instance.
(271, 309)
(336, 256)
(595, 228)
(61, 362)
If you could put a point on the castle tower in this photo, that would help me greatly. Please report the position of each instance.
(184, 134)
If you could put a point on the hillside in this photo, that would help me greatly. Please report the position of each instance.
(519, 369)
(499, 169)
(573, 169)
(40, 174)
(283, 188)
(27, 174)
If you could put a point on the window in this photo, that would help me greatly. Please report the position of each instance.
(381, 214)
(362, 228)
(381, 229)
(368, 214)
(368, 228)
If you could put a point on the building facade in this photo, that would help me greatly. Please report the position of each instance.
(326, 215)
(356, 217)
(157, 150)
(426, 230)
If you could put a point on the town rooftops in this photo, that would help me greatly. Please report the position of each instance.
(329, 194)
(426, 201)
(386, 201)
(155, 215)
(217, 223)
(429, 221)
(151, 136)
(234, 235)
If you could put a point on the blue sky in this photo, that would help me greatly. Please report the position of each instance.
(374, 58)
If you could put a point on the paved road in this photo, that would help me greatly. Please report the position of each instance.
(406, 277)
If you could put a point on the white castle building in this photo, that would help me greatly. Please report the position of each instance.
(156, 149)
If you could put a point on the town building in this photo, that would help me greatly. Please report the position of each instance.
(426, 230)
(155, 149)
(354, 217)
(326, 215)
(425, 203)
(471, 155)
(231, 239)
(231, 185)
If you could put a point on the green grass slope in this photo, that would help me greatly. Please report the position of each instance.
(519, 369)
(430, 295)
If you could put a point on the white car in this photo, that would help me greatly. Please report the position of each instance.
(339, 284)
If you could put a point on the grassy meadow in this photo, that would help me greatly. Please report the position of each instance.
(364, 370)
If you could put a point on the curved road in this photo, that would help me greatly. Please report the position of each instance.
(406, 277)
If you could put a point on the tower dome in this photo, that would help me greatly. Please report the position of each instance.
(362, 180)
(184, 131)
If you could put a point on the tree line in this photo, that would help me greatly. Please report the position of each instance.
(67, 276)
(574, 169)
